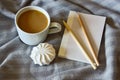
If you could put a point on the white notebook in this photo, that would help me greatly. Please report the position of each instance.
(94, 26)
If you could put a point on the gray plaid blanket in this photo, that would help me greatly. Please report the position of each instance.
(15, 63)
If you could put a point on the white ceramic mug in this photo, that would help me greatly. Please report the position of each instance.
(35, 38)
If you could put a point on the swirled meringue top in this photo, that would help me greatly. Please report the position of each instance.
(43, 54)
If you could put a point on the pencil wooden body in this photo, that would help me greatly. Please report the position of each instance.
(89, 43)
(80, 46)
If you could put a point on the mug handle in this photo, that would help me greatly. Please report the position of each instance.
(54, 28)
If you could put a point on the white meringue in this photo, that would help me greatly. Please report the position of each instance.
(43, 54)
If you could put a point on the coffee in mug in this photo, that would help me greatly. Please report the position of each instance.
(33, 24)
(32, 21)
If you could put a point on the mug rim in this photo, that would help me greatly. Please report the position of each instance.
(24, 9)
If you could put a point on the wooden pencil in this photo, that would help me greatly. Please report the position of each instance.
(88, 40)
(80, 46)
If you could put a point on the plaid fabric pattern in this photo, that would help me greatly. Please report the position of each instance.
(15, 63)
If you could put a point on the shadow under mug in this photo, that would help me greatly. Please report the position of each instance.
(36, 38)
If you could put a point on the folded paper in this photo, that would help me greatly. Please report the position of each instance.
(94, 26)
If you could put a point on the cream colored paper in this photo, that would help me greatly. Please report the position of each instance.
(94, 26)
